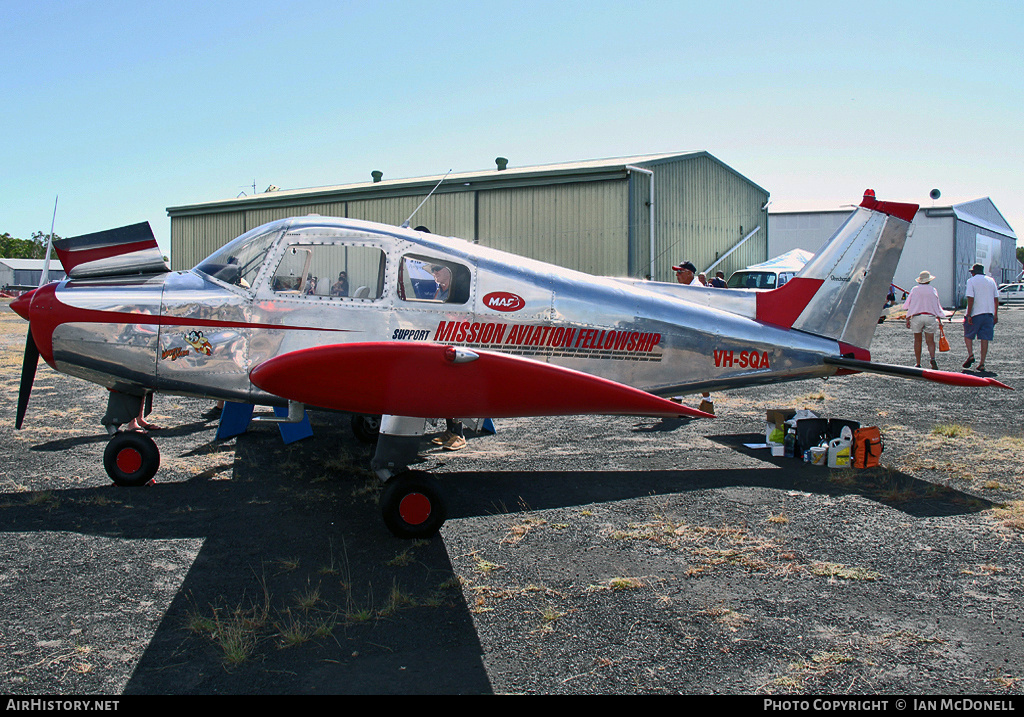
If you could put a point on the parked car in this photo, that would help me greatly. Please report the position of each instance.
(1011, 294)
(771, 274)
(748, 279)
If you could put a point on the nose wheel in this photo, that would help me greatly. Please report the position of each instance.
(412, 505)
(366, 427)
(131, 459)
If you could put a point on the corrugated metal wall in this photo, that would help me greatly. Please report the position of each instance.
(702, 209)
(600, 226)
(194, 237)
(448, 214)
(581, 226)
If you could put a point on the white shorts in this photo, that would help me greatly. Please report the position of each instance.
(928, 323)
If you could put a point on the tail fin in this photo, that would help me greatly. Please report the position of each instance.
(840, 292)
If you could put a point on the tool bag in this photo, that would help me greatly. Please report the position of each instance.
(867, 447)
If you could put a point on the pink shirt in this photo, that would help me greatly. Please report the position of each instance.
(924, 299)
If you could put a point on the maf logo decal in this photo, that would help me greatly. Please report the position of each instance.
(504, 301)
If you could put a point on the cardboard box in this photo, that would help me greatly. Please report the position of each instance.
(780, 415)
(776, 418)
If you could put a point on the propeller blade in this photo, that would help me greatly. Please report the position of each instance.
(28, 376)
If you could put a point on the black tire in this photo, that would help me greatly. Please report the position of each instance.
(131, 459)
(366, 428)
(412, 505)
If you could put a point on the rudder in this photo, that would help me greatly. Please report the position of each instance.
(840, 292)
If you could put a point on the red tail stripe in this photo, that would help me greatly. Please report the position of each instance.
(782, 306)
(906, 212)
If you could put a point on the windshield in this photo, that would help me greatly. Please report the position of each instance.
(239, 261)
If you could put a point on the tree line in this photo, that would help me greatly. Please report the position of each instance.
(34, 248)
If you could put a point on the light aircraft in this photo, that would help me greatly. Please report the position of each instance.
(377, 320)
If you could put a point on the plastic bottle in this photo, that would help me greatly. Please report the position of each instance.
(839, 449)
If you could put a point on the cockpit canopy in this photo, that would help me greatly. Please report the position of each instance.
(316, 261)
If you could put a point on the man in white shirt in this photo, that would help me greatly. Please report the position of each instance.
(982, 313)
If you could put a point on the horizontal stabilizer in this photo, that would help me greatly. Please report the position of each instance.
(950, 378)
(115, 252)
(437, 381)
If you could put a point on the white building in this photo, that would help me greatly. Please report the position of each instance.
(22, 274)
(947, 241)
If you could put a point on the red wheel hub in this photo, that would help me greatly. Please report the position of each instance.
(414, 508)
(129, 460)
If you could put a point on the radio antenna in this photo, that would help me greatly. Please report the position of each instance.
(405, 224)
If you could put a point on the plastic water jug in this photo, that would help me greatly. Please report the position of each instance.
(839, 449)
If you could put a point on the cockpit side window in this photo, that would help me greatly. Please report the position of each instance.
(331, 270)
(424, 279)
(239, 261)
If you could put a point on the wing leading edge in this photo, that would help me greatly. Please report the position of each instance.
(432, 381)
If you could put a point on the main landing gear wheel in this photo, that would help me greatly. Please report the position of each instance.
(412, 505)
(366, 428)
(131, 459)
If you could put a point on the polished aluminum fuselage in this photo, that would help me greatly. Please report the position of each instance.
(192, 334)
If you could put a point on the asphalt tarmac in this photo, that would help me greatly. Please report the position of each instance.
(589, 555)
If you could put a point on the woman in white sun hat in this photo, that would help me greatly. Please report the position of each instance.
(923, 313)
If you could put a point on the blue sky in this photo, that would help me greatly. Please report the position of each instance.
(126, 108)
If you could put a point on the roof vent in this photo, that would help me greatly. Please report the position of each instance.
(502, 163)
(377, 175)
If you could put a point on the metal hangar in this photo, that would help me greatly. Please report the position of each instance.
(595, 216)
(945, 240)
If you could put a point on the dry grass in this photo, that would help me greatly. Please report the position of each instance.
(953, 451)
(1011, 515)
(708, 547)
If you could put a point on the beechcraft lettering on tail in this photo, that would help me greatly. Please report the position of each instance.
(413, 335)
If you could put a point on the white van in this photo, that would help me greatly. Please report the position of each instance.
(770, 274)
(759, 279)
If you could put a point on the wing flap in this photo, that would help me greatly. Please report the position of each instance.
(433, 381)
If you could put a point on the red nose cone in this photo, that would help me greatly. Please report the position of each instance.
(22, 303)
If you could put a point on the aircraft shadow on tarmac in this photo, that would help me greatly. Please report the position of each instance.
(286, 523)
(63, 444)
(477, 493)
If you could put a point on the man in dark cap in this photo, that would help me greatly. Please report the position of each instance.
(686, 273)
